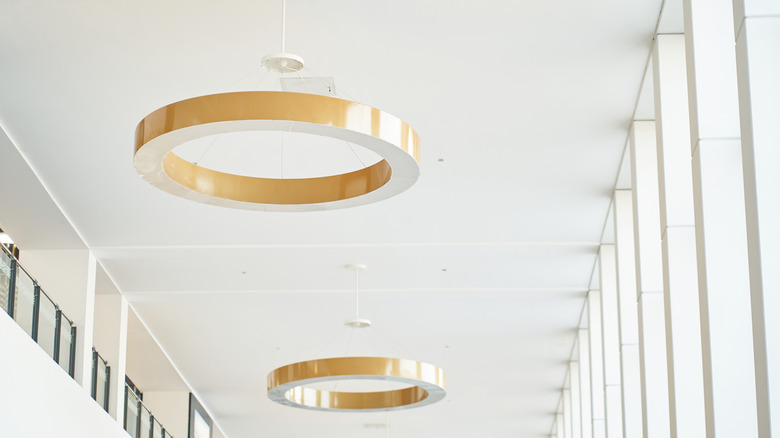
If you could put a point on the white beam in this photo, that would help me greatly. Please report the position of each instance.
(757, 28)
(610, 332)
(681, 300)
(559, 425)
(567, 412)
(719, 206)
(630, 384)
(649, 273)
(595, 342)
(576, 408)
(586, 424)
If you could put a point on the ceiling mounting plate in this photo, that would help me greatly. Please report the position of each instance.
(357, 323)
(283, 62)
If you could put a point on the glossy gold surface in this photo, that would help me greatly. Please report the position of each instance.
(287, 384)
(161, 131)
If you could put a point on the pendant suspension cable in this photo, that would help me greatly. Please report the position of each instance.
(281, 157)
(284, 19)
(206, 150)
(357, 322)
(356, 154)
(257, 85)
(304, 82)
(357, 302)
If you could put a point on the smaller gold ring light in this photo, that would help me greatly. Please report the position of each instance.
(172, 125)
(288, 384)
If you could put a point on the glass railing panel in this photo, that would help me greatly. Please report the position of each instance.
(66, 344)
(47, 324)
(146, 423)
(101, 383)
(157, 430)
(131, 413)
(5, 279)
(24, 300)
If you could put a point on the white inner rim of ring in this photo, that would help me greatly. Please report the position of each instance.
(280, 393)
(148, 162)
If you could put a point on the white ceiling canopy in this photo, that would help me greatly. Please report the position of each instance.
(481, 267)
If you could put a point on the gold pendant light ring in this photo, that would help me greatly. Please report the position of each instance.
(170, 126)
(287, 384)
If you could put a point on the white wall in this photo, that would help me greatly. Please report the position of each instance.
(38, 399)
(171, 408)
(64, 277)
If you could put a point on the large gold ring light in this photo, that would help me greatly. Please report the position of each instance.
(287, 384)
(172, 125)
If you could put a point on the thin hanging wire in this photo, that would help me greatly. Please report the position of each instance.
(349, 341)
(304, 82)
(251, 72)
(374, 349)
(395, 344)
(336, 91)
(330, 341)
(206, 149)
(257, 85)
(357, 300)
(281, 157)
(317, 76)
(355, 153)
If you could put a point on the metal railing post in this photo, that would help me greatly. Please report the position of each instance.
(72, 361)
(12, 288)
(57, 332)
(36, 311)
(93, 390)
(107, 388)
(138, 418)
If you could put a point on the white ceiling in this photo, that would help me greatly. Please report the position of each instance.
(523, 110)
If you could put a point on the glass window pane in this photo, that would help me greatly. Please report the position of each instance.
(131, 414)
(5, 279)
(157, 429)
(146, 423)
(23, 302)
(65, 343)
(47, 320)
(100, 391)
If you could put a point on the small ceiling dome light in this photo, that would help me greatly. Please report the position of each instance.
(292, 385)
(160, 132)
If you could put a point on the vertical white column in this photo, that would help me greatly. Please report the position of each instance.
(610, 333)
(87, 332)
(647, 240)
(678, 239)
(567, 412)
(719, 207)
(595, 342)
(576, 408)
(111, 343)
(559, 425)
(627, 301)
(585, 381)
(757, 29)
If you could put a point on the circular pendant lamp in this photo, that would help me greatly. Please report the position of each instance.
(288, 384)
(291, 385)
(160, 132)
